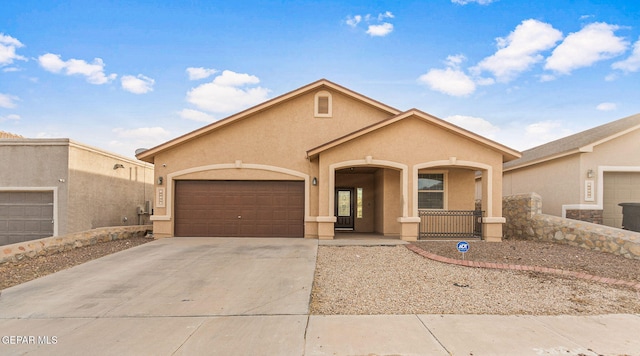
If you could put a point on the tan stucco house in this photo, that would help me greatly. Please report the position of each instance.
(319, 160)
(54, 187)
(583, 176)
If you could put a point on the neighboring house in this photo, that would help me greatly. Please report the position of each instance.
(322, 159)
(51, 187)
(583, 176)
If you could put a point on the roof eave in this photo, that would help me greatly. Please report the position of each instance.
(508, 154)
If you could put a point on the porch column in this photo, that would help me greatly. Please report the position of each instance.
(325, 227)
(492, 228)
(409, 228)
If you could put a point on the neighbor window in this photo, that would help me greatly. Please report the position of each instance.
(323, 104)
(431, 191)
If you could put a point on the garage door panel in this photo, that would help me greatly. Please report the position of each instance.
(25, 215)
(266, 208)
(619, 187)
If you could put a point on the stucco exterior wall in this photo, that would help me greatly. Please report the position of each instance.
(271, 142)
(103, 196)
(557, 182)
(277, 137)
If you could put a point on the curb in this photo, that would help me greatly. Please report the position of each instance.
(504, 266)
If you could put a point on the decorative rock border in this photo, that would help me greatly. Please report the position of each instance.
(50, 245)
(504, 266)
(525, 221)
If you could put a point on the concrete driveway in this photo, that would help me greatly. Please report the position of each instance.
(172, 296)
(200, 296)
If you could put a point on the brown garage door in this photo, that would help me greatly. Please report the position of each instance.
(239, 208)
(25, 216)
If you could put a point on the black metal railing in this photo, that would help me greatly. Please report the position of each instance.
(450, 224)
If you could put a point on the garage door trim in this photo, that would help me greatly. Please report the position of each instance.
(53, 190)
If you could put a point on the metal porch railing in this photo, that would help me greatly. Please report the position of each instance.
(450, 224)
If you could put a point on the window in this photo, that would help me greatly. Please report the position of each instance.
(431, 191)
(323, 104)
(359, 203)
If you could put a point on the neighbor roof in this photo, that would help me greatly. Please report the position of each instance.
(149, 155)
(583, 141)
(4, 134)
(507, 153)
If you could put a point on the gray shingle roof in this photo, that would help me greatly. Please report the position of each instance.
(576, 141)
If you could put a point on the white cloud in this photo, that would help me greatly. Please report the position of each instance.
(353, 21)
(449, 81)
(465, 2)
(545, 131)
(196, 115)
(631, 64)
(376, 25)
(200, 73)
(10, 117)
(380, 30)
(8, 101)
(227, 93)
(547, 77)
(94, 72)
(607, 106)
(520, 50)
(452, 80)
(137, 85)
(595, 42)
(477, 125)
(8, 47)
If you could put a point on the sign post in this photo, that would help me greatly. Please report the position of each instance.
(463, 246)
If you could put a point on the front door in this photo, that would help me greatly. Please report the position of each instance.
(344, 209)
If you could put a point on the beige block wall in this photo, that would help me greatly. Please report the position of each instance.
(36, 164)
(103, 196)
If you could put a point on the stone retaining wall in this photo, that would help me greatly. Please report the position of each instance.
(526, 221)
(50, 245)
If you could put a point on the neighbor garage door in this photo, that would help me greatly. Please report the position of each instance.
(619, 187)
(239, 208)
(25, 216)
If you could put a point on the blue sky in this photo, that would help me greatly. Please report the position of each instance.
(121, 75)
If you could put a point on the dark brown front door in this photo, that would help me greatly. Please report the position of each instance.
(344, 209)
(239, 208)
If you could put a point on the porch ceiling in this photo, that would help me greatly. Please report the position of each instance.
(357, 170)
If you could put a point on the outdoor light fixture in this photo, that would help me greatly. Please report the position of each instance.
(117, 165)
(589, 173)
(159, 180)
(314, 181)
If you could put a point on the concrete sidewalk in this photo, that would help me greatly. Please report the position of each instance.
(193, 296)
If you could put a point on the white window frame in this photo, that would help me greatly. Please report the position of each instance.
(444, 191)
(322, 94)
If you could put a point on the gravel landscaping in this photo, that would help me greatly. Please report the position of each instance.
(394, 280)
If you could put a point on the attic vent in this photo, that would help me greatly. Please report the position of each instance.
(323, 104)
